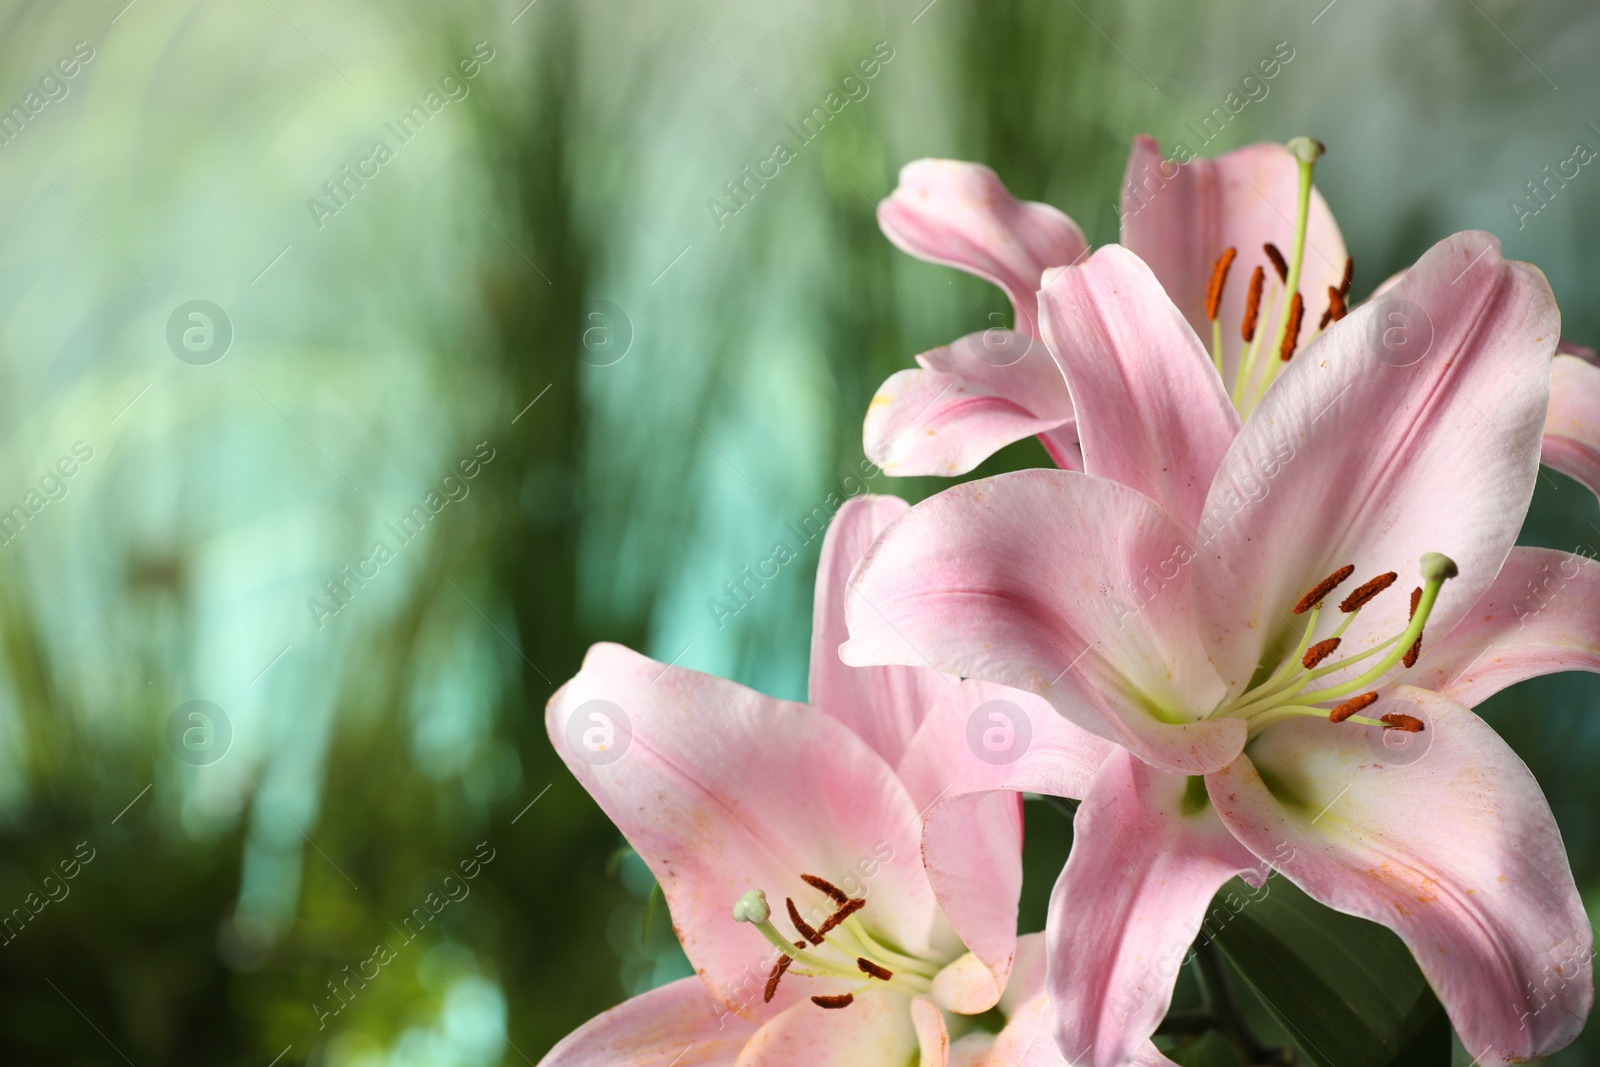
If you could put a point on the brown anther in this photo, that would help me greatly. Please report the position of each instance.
(1351, 706)
(1349, 272)
(1279, 264)
(1396, 721)
(1327, 317)
(772, 979)
(1366, 591)
(1252, 305)
(800, 924)
(1318, 652)
(1410, 658)
(824, 886)
(1219, 278)
(1336, 306)
(868, 967)
(841, 1001)
(844, 912)
(1323, 588)
(1291, 333)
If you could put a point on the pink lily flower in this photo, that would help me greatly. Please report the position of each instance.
(1178, 599)
(970, 398)
(844, 877)
(1572, 426)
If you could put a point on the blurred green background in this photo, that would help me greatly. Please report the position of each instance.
(532, 273)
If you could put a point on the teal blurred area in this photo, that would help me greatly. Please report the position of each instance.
(528, 377)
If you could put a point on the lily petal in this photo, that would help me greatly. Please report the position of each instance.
(678, 1023)
(875, 1029)
(1451, 845)
(961, 215)
(966, 402)
(1353, 459)
(1152, 412)
(883, 705)
(1028, 1038)
(721, 789)
(1541, 616)
(933, 1037)
(981, 736)
(1146, 860)
(1179, 219)
(1572, 426)
(967, 766)
(1050, 582)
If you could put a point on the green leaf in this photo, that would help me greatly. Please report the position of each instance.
(1210, 1050)
(1346, 990)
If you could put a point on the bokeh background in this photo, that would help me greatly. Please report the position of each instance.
(536, 286)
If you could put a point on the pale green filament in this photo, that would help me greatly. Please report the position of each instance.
(1305, 150)
(1216, 343)
(1247, 363)
(1289, 691)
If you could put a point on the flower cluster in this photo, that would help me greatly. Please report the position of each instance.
(1200, 621)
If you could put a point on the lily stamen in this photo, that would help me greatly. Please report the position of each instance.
(1289, 691)
(1252, 305)
(840, 1001)
(1323, 588)
(863, 955)
(822, 885)
(1291, 333)
(1410, 658)
(1306, 152)
(1319, 652)
(1279, 264)
(1366, 591)
(1219, 278)
(1351, 706)
(800, 924)
(867, 967)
